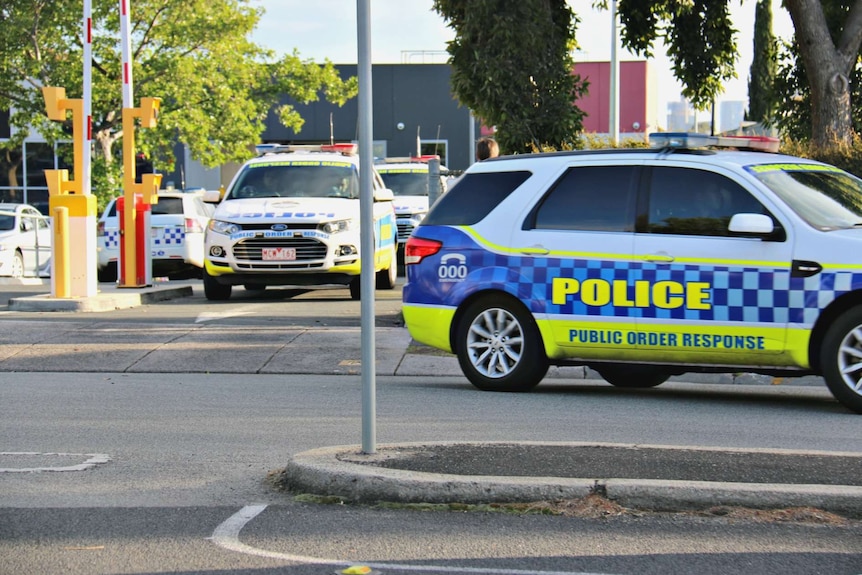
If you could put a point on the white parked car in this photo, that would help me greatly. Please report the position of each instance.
(25, 242)
(177, 224)
(291, 217)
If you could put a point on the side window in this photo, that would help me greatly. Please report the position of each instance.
(695, 202)
(594, 198)
(473, 198)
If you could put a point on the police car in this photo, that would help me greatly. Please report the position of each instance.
(177, 224)
(291, 217)
(643, 264)
(407, 177)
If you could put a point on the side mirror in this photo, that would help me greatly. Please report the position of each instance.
(211, 196)
(752, 224)
(26, 225)
(383, 195)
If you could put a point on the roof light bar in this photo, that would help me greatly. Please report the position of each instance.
(695, 140)
(344, 149)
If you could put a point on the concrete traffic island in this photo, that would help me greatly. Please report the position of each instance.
(109, 298)
(649, 477)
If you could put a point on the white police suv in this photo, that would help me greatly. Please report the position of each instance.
(291, 217)
(407, 177)
(643, 264)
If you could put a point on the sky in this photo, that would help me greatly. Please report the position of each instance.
(409, 31)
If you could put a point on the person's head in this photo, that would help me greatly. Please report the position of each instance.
(487, 148)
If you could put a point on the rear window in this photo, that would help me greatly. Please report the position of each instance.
(168, 206)
(473, 197)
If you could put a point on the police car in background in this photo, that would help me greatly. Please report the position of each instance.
(291, 217)
(177, 224)
(643, 264)
(407, 177)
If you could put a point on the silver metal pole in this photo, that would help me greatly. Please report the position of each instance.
(366, 239)
(614, 114)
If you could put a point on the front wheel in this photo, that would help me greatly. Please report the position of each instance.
(633, 376)
(499, 347)
(355, 288)
(17, 265)
(841, 359)
(213, 290)
(386, 277)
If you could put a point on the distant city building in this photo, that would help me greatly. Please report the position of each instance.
(731, 115)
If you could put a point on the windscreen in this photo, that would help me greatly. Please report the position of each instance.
(824, 196)
(406, 182)
(297, 179)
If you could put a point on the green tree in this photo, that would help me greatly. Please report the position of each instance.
(701, 45)
(512, 66)
(217, 86)
(761, 77)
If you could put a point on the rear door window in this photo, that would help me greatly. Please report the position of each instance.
(473, 198)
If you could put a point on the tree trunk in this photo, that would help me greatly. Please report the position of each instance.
(828, 68)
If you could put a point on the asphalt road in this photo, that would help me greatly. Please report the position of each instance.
(169, 472)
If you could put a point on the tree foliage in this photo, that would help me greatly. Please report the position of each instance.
(761, 78)
(701, 44)
(512, 66)
(216, 86)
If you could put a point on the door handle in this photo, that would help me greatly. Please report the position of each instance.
(535, 250)
(662, 257)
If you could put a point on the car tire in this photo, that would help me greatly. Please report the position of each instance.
(213, 290)
(386, 277)
(17, 270)
(633, 376)
(355, 288)
(498, 345)
(107, 273)
(841, 359)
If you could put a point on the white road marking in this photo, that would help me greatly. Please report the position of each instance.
(215, 315)
(94, 460)
(226, 536)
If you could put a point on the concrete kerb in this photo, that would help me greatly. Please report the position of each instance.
(106, 300)
(345, 472)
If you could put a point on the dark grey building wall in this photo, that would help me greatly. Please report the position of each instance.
(417, 95)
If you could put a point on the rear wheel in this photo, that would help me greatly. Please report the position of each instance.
(386, 277)
(213, 290)
(841, 359)
(498, 345)
(107, 273)
(633, 376)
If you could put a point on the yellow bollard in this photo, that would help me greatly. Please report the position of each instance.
(61, 272)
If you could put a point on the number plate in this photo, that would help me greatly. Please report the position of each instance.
(279, 254)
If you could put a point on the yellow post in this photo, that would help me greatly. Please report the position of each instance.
(78, 277)
(148, 112)
(62, 282)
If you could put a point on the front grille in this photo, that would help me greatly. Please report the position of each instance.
(268, 226)
(307, 249)
(404, 231)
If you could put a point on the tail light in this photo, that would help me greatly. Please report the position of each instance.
(193, 226)
(418, 249)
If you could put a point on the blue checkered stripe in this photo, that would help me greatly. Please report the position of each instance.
(171, 236)
(738, 294)
(112, 239)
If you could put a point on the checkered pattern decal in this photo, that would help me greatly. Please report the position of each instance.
(737, 293)
(170, 236)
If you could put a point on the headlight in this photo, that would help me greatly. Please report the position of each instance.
(226, 228)
(335, 227)
(417, 218)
